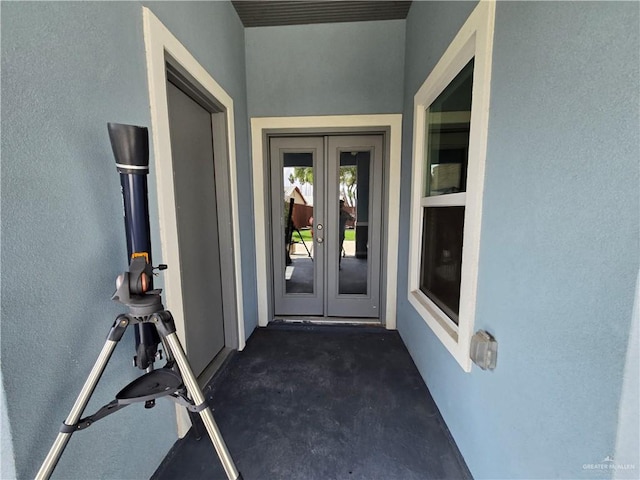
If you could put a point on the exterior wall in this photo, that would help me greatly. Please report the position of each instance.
(559, 245)
(67, 70)
(325, 69)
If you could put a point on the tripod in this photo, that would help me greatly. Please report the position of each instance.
(175, 380)
(303, 242)
(288, 234)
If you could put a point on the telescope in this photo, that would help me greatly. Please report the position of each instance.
(130, 145)
(154, 325)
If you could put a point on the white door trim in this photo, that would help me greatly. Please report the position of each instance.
(159, 42)
(330, 123)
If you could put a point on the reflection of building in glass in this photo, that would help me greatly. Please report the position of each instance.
(302, 211)
(306, 189)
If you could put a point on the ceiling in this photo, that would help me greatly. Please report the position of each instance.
(271, 13)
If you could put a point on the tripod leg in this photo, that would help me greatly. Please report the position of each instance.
(198, 398)
(68, 427)
(304, 243)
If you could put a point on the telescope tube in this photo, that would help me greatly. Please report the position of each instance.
(130, 145)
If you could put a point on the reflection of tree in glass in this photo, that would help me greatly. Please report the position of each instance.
(348, 181)
(349, 184)
(302, 175)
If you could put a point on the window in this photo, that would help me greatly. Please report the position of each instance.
(449, 150)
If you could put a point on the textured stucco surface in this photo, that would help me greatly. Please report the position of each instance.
(559, 246)
(68, 69)
(325, 69)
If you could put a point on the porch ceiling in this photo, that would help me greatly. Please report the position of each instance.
(271, 13)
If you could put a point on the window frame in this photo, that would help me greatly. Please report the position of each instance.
(474, 40)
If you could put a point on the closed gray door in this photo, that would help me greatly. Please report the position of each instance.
(197, 217)
(297, 199)
(354, 203)
(326, 199)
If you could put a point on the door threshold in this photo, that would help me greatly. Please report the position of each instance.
(328, 320)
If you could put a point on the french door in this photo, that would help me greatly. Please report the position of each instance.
(326, 209)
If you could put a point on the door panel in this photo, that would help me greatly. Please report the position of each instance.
(196, 207)
(355, 208)
(297, 225)
(326, 256)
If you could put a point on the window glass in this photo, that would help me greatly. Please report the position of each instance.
(297, 219)
(447, 137)
(353, 213)
(441, 266)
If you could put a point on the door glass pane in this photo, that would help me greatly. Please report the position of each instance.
(297, 222)
(447, 137)
(441, 269)
(353, 215)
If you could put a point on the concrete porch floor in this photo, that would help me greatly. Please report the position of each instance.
(321, 402)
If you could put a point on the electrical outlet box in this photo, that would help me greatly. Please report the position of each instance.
(484, 350)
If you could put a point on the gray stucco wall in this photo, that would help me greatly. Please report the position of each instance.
(326, 69)
(67, 70)
(559, 247)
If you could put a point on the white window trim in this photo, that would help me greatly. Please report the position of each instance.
(474, 40)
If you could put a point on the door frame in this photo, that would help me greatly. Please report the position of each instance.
(162, 48)
(390, 126)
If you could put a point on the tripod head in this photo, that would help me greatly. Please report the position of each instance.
(133, 289)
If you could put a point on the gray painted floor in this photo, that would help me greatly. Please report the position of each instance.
(321, 402)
